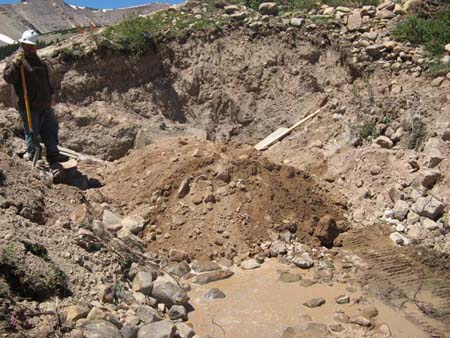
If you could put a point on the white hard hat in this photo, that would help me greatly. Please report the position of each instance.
(29, 37)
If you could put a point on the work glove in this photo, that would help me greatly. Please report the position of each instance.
(19, 59)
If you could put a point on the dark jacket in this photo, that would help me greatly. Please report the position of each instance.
(38, 83)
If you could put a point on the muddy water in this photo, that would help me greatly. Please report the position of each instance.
(258, 304)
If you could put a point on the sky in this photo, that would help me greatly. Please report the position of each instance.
(104, 3)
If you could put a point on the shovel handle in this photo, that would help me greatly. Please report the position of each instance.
(25, 96)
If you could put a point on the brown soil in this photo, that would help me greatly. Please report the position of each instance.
(235, 196)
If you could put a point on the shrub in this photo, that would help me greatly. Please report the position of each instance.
(311, 4)
(432, 33)
(368, 129)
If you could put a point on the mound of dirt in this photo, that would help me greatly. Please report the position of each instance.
(214, 200)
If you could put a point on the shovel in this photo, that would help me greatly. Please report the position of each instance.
(283, 132)
(34, 137)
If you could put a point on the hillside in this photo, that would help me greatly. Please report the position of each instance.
(46, 16)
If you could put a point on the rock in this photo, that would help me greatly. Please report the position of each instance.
(309, 330)
(297, 22)
(205, 266)
(430, 224)
(447, 47)
(326, 231)
(361, 321)
(184, 188)
(238, 16)
(400, 211)
(316, 302)
(375, 170)
(178, 269)
(178, 312)
(399, 239)
(343, 9)
(434, 157)
(214, 293)
(162, 329)
(100, 329)
(384, 142)
(179, 255)
(129, 331)
(289, 277)
(147, 314)
(184, 331)
(375, 51)
(212, 276)
(428, 207)
(446, 135)
(110, 218)
(134, 223)
(303, 261)
(383, 331)
(354, 21)
(336, 328)
(81, 216)
(250, 264)
(278, 248)
(430, 178)
(343, 299)
(231, 9)
(96, 314)
(143, 282)
(437, 81)
(398, 10)
(385, 14)
(341, 317)
(268, 8)
(166, 291)
(329, 11)
(75, 312)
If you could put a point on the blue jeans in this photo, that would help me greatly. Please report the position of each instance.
(45, 125)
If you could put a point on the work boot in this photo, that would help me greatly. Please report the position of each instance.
(57, 158)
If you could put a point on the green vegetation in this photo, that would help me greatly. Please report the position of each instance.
(438, 68)
(137, 36)
(368, 129)
(432, 32)
(311, 4)
(416, 135)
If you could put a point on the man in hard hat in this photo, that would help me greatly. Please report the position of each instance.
(40, 93)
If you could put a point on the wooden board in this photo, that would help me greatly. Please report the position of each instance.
(282, 132)
(271, 139)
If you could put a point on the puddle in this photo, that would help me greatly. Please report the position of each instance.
(258, 304)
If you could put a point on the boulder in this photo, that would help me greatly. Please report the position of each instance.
(134, 223)
(250, 264)
(326, 231)
(75, 312)
(446, 135)
(147, 314)
(100, 329)
(178, 269)
(214, 293)
(429, 224)
(109, 218)
(162, 329)
(178, 312)
(375, 51)
(384, 142)
(184, 188)
(231, 9)
(430, 178)
(303, 261)
(289, 277)
(307, 330)
(343, 299)
(278, 248)
(212, 276)
(399, 239)
(129, 331)
(400, 211)
(143, 282)
(184, 330)
(179, 255)
(297, 22)
(205, 266)
(428, 207)
(316, 302)
(361, 321)
(168, 292)
(437, 81)
(354, 21)
(268, 8)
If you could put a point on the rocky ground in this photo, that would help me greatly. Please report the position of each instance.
(356, 199)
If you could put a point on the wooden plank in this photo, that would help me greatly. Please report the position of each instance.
(282, 132)
(269, 140)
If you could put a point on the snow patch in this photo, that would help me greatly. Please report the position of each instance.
(7, 39)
